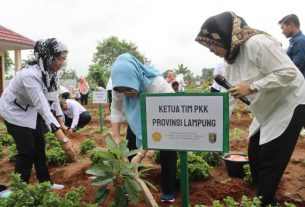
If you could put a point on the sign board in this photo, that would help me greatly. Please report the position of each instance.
(100, 96)
(198, 83)
(185, 121)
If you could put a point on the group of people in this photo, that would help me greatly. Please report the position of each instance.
(177, 82)
(34, 103)
(255, 64)
(80, 93)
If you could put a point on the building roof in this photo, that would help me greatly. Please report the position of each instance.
(10, 40)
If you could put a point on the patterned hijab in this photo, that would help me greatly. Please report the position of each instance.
(228, 31)
(45, 52)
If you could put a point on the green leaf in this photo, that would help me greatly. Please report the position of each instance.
(102, 181)
(120, 199)
(101, 194)
(97, 170)
(130, 153)
(133, 188)
(111, 145)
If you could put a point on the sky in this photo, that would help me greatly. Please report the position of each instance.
(163, 30)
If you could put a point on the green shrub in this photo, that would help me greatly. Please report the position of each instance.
(86, 146)
(198, 169)
(212, 158)
(6, 139)
(39, 195)
(57, 156)
(12, 152)
(54, 151)
(248, 176)
(96, 157)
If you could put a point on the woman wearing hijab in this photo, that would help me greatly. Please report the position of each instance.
(25, 108)
(130, 78)
(259, 69)
(83, 88)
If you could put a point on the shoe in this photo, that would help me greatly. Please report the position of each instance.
(167, 197)
(302, 133)
(57, 186)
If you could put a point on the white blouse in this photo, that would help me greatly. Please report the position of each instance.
(280, 85)
(73, 111)
(25, 97)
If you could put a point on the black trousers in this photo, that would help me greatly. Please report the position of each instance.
(168, 164)
(84, 119)
(269, 161)
(30, 146)
(109, 94)
(84, 98)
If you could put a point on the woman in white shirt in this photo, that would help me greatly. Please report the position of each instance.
(259, 69)
(25, 108)
(76, 115)
(130, 78)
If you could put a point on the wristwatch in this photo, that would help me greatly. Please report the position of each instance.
(65, 140)
(142, 155)
(252, 88)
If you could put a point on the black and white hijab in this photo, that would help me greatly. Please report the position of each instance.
(226, 30)
(45, 52)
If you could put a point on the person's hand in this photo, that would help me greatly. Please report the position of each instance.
(68, 147)
(136, 159)
(240, 90)
(65, 129)
(116, 139)
(70, 131)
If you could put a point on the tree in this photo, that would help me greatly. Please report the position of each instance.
(67, 73)
(8, 62)
(107, 52)
(98, 75)
(111, 48)
(183, 70)
(207, 74)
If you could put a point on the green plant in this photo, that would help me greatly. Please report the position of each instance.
(248, 176)
(247, 202)
(86, 146)
(198, 169)
(236, 133)
(54, 151)
(26, 195)
(229, 201)
(96, 156)
(115, 170)
(6, 139)
(212, 158)
(12, 152)
(156, 156)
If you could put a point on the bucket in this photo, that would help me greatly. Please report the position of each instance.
(234, 164)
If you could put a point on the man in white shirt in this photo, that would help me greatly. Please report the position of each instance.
(76, 115)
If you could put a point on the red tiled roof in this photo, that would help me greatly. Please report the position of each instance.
(11, 36)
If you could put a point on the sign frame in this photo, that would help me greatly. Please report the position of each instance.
(225, 115)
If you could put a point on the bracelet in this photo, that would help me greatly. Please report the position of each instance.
(65, 140)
